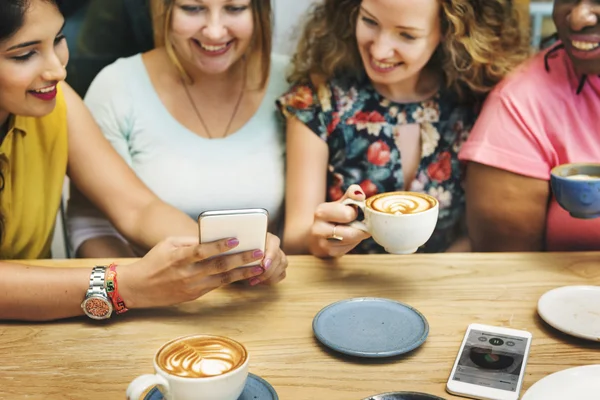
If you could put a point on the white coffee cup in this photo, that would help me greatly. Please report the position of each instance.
(401, 222)
(199, 367)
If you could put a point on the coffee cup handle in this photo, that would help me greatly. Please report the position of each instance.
(140, 385)
(357, 224)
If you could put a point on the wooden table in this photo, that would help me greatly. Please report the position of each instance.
(80, 359)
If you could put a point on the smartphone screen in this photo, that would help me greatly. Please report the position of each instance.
(491, 360)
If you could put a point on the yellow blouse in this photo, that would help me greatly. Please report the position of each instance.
(33, 160)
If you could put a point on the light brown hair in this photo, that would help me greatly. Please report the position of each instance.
(482, 42)
(260, 45)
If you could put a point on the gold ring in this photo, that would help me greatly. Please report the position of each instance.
(334, 236)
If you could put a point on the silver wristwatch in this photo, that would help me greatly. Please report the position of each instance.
(96, 304)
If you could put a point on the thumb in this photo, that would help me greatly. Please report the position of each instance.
(171, 243)
(182, 241)
(354, 192)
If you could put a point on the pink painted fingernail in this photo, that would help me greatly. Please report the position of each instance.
(257, 270)
(232, 242)
(254, 281)
(267, 264)
(258, 254)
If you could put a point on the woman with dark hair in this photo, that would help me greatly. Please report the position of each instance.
(543, 115)
(41, 118)
(385, 92)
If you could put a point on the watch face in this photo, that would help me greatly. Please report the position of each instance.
(97, 308)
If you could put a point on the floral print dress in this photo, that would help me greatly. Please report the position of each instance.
(361, 128)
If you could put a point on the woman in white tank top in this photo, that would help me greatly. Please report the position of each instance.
(195, 119)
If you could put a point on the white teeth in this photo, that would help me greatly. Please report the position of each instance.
(212, 48)
(383, 65)
(45, 90)
(585, 46)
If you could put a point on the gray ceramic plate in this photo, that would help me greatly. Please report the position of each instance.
(370, 327)
(256, 389)
(404, 396)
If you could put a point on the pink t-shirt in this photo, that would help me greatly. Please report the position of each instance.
(533, 121)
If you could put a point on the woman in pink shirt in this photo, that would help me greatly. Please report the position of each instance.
(543, 115)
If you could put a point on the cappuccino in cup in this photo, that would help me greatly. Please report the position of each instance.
(401, 222)
(582, 177)
(401, 203)
(201, 356)
(199, 367)
(576, 188)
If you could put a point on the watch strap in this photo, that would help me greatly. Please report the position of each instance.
(97, 278)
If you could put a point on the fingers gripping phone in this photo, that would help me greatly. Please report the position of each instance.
(249, 226)
(490, 364)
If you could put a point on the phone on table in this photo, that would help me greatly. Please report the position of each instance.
(490, 364)
(249, 226)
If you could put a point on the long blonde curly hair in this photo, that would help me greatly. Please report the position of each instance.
(482, 42)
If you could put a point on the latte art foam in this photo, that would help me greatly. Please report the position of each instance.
(401, 203)
(201, 357)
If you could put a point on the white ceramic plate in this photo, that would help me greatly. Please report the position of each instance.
(579, 383)
(574, 310)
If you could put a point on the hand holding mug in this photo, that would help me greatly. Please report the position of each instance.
(331, 235)
(179, 269)
(399, 221)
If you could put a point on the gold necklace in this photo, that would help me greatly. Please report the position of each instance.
(235, 110)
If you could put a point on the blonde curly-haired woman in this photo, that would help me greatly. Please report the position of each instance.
(384, 94)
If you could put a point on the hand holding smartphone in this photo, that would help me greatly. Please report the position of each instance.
(249, 226)
(490, 364)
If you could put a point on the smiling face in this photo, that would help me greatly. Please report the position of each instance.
(396, 38)
(32, 62)
(578, 26)
(211, 35)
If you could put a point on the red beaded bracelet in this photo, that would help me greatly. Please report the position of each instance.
(112, 289)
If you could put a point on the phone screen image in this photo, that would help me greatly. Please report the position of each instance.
(491, 360)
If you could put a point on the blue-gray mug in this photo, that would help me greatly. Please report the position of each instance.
(576, 188)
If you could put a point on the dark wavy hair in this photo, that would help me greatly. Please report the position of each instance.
(483, 41)
(12, 18)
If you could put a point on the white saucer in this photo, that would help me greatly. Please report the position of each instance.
(579, 383)
(574, 310)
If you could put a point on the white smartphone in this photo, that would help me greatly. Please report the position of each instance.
(490, 364)
(249, 226)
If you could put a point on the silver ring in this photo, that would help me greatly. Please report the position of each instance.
(334, 236)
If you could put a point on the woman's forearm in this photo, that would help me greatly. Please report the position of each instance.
(105, 247)
(155, 222)
(40, 294)
(295, 238)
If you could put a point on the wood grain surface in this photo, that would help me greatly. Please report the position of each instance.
(81, 359)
